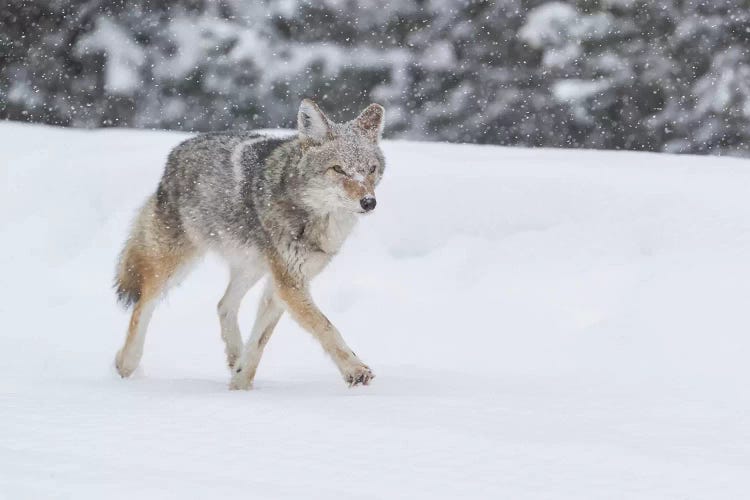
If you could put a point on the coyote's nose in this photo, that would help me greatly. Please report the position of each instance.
(368, 203)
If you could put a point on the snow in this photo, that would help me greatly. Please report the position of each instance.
(724, 83)
(574, 89)
(548, 24)
(124, 57)
(560, 29)
(199, 39)
(577, 93)
(543, 324)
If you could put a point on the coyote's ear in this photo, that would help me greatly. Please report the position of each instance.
(371, 122)
(312, 124)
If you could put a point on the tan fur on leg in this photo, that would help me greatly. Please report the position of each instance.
(295, 295)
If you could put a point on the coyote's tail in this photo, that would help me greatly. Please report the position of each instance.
(130, 268)
(154, 251)
(128, 280)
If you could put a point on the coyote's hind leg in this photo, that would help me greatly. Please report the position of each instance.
(129, 356)
(155, 272)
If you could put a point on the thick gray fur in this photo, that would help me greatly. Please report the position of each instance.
(270, 205)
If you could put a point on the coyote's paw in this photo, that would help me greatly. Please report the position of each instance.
(357, 375)
(125, 365)
(240, 381)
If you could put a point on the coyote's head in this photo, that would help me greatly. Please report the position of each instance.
(342, 162)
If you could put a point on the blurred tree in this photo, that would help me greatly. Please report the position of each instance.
(625, 74)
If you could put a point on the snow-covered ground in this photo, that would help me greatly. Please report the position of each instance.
(543, 324)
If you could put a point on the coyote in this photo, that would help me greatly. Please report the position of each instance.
(280, 207)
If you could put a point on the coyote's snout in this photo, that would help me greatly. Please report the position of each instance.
(280, 207)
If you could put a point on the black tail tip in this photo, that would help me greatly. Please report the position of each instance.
(126, 296)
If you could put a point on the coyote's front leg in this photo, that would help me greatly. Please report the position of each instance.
(269, 313)
(294, 292)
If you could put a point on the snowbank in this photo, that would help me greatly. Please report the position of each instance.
(556, 324)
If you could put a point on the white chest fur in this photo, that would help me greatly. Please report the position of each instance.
(333, 231)
(326, 235)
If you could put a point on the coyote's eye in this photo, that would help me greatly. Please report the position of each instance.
(373, 169)
(338, 169)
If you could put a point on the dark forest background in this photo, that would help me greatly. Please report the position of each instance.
(667, 75)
